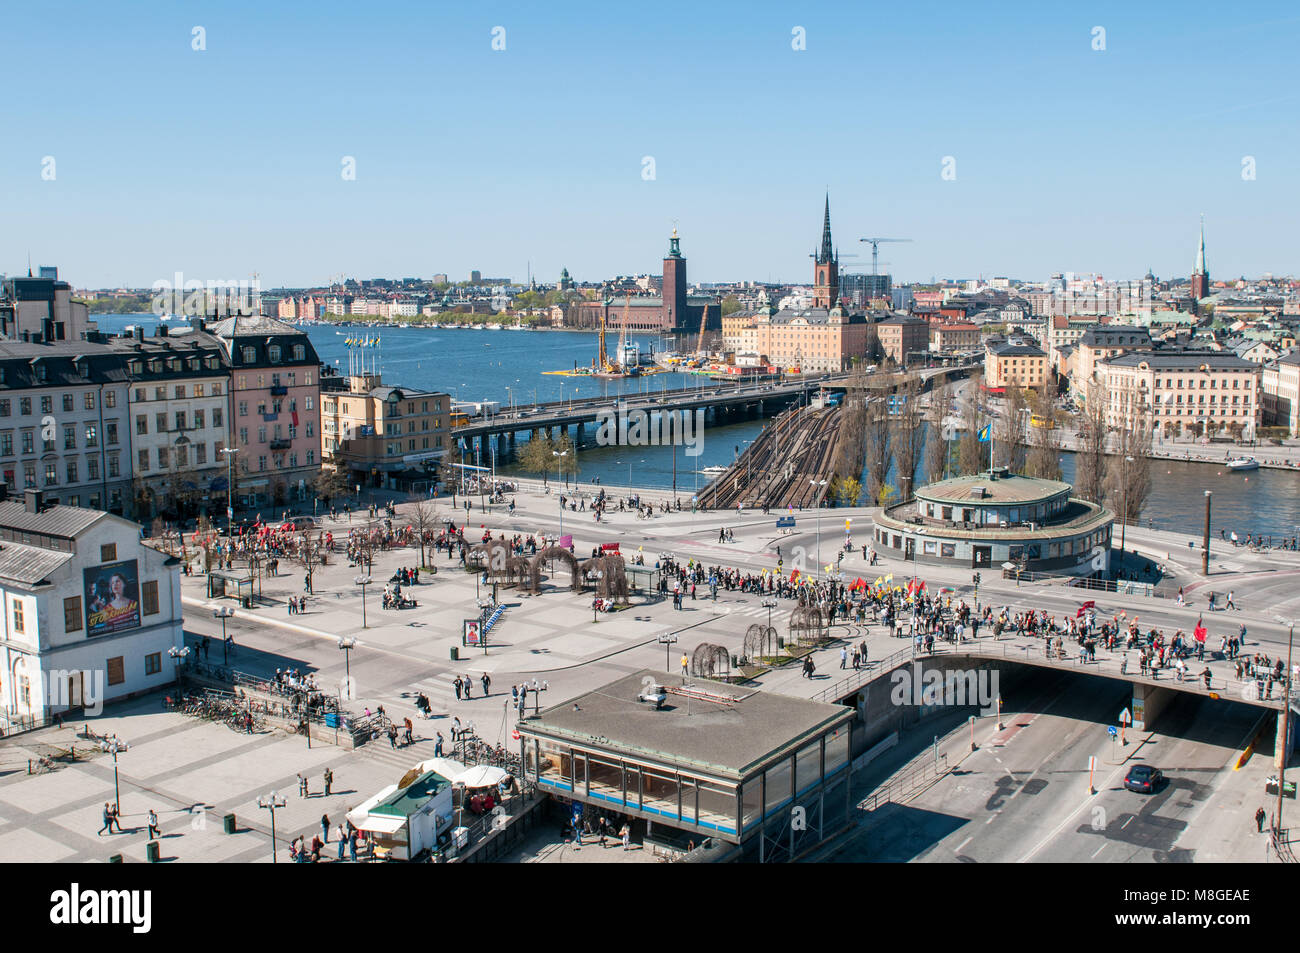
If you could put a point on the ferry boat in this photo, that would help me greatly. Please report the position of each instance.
(713, 471)
(1243, 463)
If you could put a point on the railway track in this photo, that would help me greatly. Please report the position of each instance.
(784, 467)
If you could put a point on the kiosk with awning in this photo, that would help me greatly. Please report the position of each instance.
(407, 818)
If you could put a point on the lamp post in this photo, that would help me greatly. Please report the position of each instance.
(1282, 745)
(1123, 529)
(178, 656)
(230, 490)
(819, 529)
(223, 613)
(559, 466)
(668, 640)
(347, 643)
(363, 581)
(270, 802)
(596, 576)
(113, 746)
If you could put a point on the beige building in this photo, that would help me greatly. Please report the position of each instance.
(902, 335)
(947, 338)
(1101, 342)
(1280, 386)
(1182, 387)
(814, 340)
(382, 436)
(1014, 364)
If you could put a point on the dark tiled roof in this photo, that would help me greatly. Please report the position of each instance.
(1179, 359)
(63, 521)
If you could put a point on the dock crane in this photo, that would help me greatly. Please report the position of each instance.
(875, 248)
(699, 341)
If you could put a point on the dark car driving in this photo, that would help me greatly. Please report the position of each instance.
(1143, 778)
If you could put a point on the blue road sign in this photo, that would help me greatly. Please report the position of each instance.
(1112, 731)
(785, 522)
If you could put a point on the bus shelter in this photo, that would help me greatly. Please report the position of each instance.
(238, 586)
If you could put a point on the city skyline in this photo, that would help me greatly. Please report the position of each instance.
(133, 165)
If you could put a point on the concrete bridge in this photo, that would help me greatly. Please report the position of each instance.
(723, 403)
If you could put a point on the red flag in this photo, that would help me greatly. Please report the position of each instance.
(1084, 608)
(1199, 632)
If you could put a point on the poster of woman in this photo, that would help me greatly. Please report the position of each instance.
(112, 593)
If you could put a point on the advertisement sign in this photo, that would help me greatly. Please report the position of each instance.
(112, 597)
(471, 634)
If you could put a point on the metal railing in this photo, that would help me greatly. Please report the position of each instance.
(910, 781)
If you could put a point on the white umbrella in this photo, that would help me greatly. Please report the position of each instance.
(480, 776)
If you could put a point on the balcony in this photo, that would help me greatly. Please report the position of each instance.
(278, 445)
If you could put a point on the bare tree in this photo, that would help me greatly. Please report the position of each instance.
(937, 450)
(970, 449)
(1128, 482)
(851, 442)
(1044, 458)
(907, 435)
(878, 451)
(424, 520)
(1090, 469)
(1009, 432)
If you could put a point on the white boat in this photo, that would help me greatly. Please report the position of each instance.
(713, 471)
(1243, 463)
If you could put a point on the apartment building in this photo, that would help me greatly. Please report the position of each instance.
(273, 409)
(177, 406)
(901, 335)
(1014, 364)
(1280, 392)
(382, 436)
(64, 424)
(1101, 342)
(1181, 387)
(89, 612)
(952, 338)
(41, 309)
(813, 340)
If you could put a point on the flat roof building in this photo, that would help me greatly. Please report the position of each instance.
(700, 757)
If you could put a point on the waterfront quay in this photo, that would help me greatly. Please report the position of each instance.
(194, 772)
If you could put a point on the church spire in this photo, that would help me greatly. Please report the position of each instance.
(827, 252)
(1200, 251)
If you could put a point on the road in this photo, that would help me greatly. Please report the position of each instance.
(1024, 797)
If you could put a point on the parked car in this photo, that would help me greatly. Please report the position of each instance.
(1143, 778)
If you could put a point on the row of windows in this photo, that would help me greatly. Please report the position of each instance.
(156, 365)
(181, 418)
(395, 449)
(275, 353)
(277, 433)
(47, 403)
(28, 438)
(181, 456)
(115, 672)
(178, 392)
(289, 379)
(277, 406)
(280, 461)
(71, 470)
(72, 617)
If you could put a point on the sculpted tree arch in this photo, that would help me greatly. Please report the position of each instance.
(612, 581)
(562, 554)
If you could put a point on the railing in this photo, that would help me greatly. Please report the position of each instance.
(872, 670)
(901, 786)
(1281, 844)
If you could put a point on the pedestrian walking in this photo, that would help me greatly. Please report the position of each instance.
(457, 685)
(325, 828)
(153, 824)
(343, 840)
(437, 747)
(844, 656)
(115, 817)
(392, 736)
(468, 685)
(329, 781)
(410, 737)
(626, 834)
(1259, 819)
(108, 820)
(486, 683)
(352, 846)
(1230, 604)
(302, 786)
(685, 664)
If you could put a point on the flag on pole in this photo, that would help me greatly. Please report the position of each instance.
(1199, 632)
(1084, 608)
(983, 433)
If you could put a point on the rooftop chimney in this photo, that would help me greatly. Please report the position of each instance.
(162, 331)
(35, 501)
(139, 333)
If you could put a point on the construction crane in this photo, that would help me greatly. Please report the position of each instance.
(619, 360)
(699, 342)
(875, 248)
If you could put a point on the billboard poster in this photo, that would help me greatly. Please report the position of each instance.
(112, 597)
(471, 632)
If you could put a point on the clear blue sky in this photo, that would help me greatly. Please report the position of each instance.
(227, 161)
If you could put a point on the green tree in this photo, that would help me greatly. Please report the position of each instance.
(730, 305)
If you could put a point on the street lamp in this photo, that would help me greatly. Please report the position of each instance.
(113, 746)
(668, 640)
(230, 489)
(1123, 529)
(363, 581)
(347, 643)
(1284, 737)
(223, 613)
(178, 656)
(819, 529)
(559, 465)
(270, 802)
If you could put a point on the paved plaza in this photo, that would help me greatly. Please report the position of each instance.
(193, 772)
